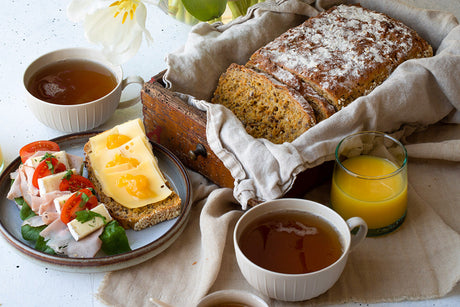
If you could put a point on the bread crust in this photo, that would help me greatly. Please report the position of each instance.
(134, 218)
(344, 52)
(267, 108)
(323, 109)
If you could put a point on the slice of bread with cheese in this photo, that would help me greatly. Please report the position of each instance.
(127, 178)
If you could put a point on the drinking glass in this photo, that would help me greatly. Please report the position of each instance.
(370, 180)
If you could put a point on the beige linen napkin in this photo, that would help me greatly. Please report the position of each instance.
(420, 260)
(418, 93)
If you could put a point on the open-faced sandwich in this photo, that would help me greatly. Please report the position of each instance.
(127, 178)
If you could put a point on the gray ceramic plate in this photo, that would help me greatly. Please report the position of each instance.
(145, 244)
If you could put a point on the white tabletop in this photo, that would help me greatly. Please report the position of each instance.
(29, 29)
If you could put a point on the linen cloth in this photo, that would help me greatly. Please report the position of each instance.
(420, 260)
(418, 93)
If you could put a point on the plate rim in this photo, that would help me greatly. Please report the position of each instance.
(113, 262)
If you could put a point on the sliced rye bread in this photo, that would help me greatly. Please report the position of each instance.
(136, 218)
(266, 107)
(323, 109)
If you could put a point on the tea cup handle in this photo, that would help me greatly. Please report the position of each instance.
(127, 81)
(358, 237)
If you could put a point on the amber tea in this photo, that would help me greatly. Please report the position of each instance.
(291, 242)
(70, 82)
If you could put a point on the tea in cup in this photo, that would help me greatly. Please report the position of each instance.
(294, 249)
(75, 89)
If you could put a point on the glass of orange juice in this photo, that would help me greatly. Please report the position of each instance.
(370, 180)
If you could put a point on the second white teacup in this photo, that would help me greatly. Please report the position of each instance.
(84, 116)
(303, 286)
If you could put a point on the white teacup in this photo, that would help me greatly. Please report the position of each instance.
(85, 116)
(231, 298)
(298, 287)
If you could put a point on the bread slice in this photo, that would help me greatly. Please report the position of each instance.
(267, 108)
(323, 109)
(135, 218)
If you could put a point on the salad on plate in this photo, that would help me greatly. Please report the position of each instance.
(60, 212)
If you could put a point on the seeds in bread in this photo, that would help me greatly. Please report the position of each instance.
(323, 109)
(267, 108)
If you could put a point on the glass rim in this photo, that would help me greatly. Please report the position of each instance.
(384, 135)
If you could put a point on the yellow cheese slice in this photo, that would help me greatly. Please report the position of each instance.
(130, 129)
(137, 148)
(156, 185)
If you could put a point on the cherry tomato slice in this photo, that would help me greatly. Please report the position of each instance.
(47, 167)
(29, 149)
(78, 202)
(75, 182)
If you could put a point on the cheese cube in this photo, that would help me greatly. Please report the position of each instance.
(61, 156)
(80, 230)
(51, 183)
(59, 201)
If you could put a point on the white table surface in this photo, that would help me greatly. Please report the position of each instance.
(29, 29)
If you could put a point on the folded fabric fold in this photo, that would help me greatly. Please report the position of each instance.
(417, 94)
(447, 150)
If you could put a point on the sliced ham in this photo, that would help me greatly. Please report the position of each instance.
(29, 175)
(57, 236)
(15, 189)
(24, 185)
(47, 209)
(86, 247)
(75, 162)
(46, 201)
(49, 217)
(34, 221)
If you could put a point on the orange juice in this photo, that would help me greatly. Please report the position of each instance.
(373, 193)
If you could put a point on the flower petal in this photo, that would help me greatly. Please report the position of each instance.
(78, 9)
(105, 25)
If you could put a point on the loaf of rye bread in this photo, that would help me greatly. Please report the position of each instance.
(332, 59)
(267, 108)
(135, 218)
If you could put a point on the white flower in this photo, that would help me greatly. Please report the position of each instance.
(118, 26)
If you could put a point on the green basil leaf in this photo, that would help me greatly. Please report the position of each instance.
(41, 246)
(87, 215)
(50, 166)
(31, 233)
(114, 239)
(25, 211)
(68, 174)
(46, 156)
(19, 201)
